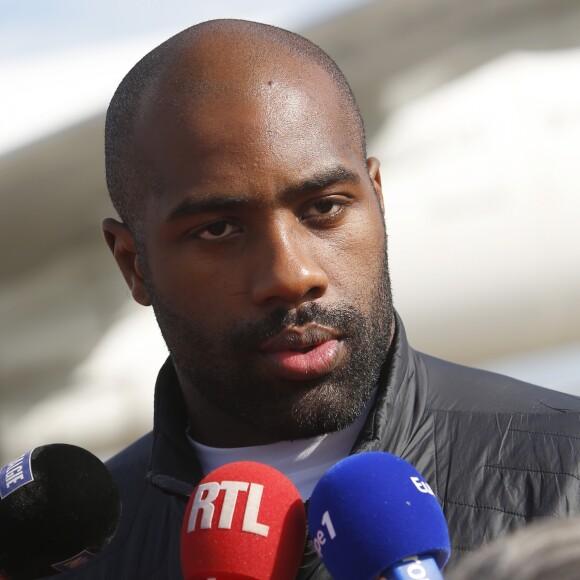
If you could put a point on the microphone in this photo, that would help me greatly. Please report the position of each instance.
(244, 520)
(59, 507)
(372, 515)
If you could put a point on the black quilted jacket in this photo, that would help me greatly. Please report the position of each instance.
(498, 453)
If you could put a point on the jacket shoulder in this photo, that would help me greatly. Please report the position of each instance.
(453, 387)
(505, 452)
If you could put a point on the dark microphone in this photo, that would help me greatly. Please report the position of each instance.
(59, 506)
(372, 515)
(244, 520)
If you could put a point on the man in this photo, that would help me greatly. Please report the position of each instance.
(252, 222)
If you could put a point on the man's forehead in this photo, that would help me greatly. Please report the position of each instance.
(266, 99)
(208, 69)
(280, 143)
(260, 109)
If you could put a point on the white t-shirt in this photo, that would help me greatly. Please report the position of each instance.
(304, 462)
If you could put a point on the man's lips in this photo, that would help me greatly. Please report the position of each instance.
(303, 354)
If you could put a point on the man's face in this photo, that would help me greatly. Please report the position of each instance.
(264, 257)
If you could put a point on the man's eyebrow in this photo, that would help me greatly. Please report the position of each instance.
(331, 176)
(216, 202)
(195, 205)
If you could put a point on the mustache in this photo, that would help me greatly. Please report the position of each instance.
(344, 318)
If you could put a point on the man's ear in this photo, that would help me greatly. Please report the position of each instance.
(122, 245)
(373, 166)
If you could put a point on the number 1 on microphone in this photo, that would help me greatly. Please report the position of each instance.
(326, 521)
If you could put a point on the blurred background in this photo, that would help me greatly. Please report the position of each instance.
(472, 107)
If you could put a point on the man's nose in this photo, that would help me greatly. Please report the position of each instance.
(287, 270)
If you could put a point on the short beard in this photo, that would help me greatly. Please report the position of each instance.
(221, 370)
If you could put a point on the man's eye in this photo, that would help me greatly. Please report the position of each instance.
(324, 208)
(217, 231)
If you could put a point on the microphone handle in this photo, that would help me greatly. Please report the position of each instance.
(413, 568)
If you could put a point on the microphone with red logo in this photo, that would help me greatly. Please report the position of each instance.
(244, 520)
(59, 507)
(372, 515)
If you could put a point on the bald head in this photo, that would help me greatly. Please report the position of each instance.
(213, 65)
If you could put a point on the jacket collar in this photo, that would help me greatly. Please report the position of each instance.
(390, 426)
(400, 402)
(173, 465)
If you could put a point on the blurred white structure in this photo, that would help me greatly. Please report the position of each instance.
(481, 178)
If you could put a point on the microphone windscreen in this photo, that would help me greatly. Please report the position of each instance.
(372, 510)
(244, 520)
(59, 506)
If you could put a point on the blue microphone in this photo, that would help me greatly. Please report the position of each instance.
(372, 516)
